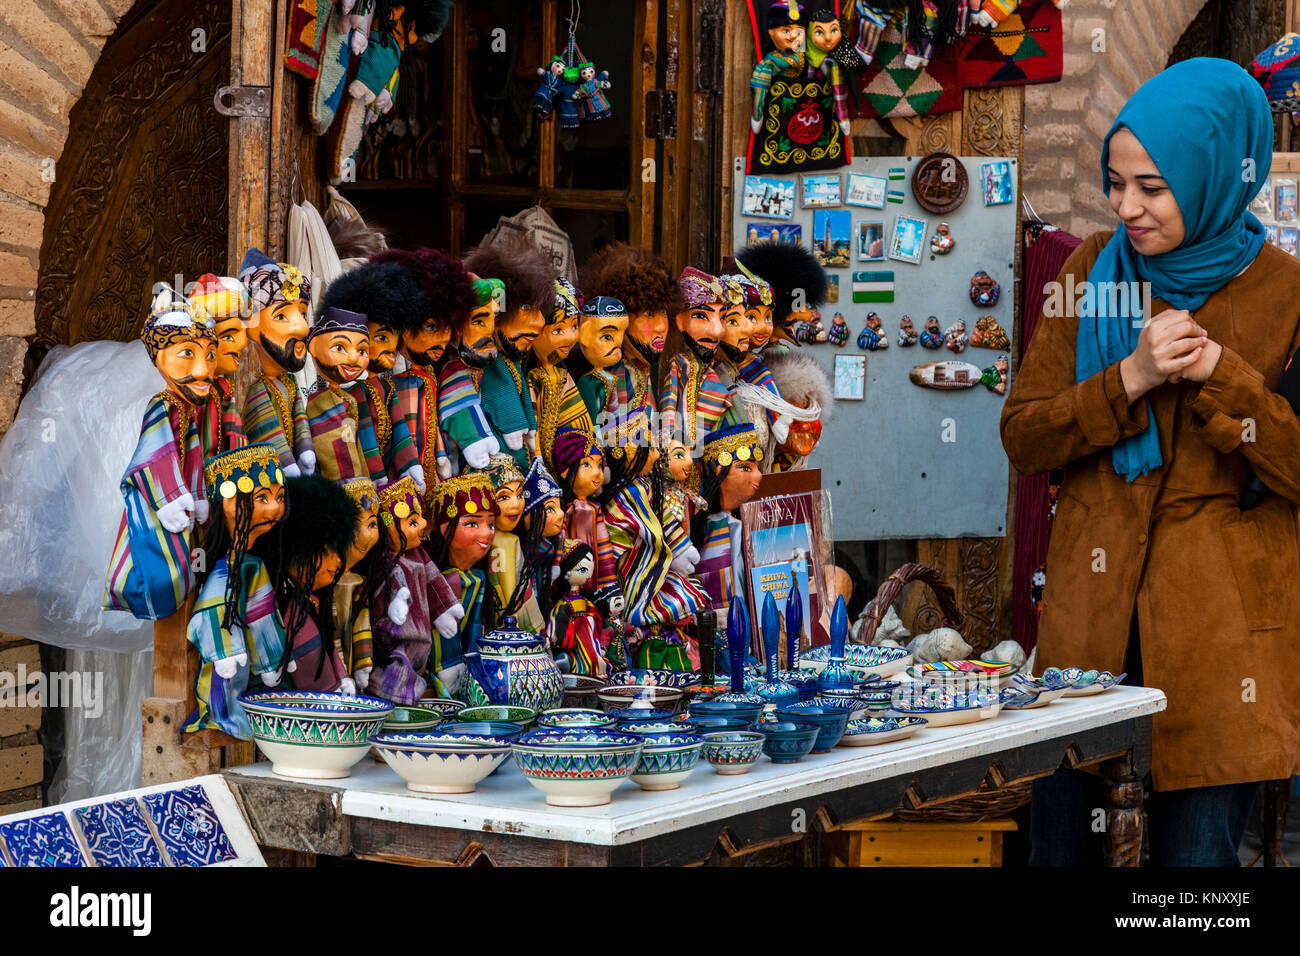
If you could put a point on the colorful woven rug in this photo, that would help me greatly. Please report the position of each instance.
(892, 90)
(1024, 49)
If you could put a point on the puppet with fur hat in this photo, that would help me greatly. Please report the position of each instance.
(647, 287)
(807, 391)
(529, 279)
(797, 279)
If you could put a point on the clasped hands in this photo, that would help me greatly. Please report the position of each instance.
(1172, 347)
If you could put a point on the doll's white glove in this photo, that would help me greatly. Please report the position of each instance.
(444, 467)
(270, 678)
(448, 623)
(845, 126)
(201, 511)
(346, 686)
(293, 666)
(307, 462)
(292, 471)
(177, 516)
(359, 42)
(514, 441)
(477, 452)
(755, 124)
(399, 608)
(361, 676)
(416, 474)
(985, 19)
(452, 677)
(685, 562)
(781, 428)
(384, 101)
(228, 666)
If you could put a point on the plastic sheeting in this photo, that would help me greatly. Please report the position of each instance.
(61, 466)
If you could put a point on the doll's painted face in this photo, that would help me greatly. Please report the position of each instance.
(475, 335)
(471, 539)
(703, 324)
(556, 341)
(367, 537)
(787, 39)
(426, 345)
(736, 329)
(340, 356)
(557, 67)
(407, 532)
(268, 508)
(616, 605)
(826, 35)
(511, 502)
(601, 339)
(552, 517)
(739, 485)
(232, 339)
(188, 368)
(589, 73)
(803, 436)
(650, 331)
(679, 462)
(581, 572)
(760, 326)
(590, 476)
(383, 346)
(518, 329)
(281, 331)
(326, 574)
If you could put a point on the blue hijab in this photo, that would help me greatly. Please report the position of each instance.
(1199, 121)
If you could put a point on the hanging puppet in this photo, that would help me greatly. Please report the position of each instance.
(590, 92)
(467, 435)
(371, 92)
(576, 625)
(235, 624)
(827, 52)
(339, 346)
(362, 574)
(274, 409)
(225, 301)
(149, 572)
(556, 399)
(551, 87)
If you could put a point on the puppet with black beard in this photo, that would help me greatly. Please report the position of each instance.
(695, 397)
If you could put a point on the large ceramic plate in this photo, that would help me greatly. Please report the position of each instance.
(960, 672)
(880, 730)
(869, 659)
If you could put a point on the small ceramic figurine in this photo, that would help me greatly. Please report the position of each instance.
(542, 523)
(576, 624)
(873, 336)
(580, 468)
(274, 409)
(352, 595)
(839, 331)
(906, 332)
(955, 337)
(413, 603)
(946, 375)
(556, 400)
(942, 242)
(592, 101)
(994, 378)
(984, 290)
(931, 337)
(989, 334)
(339, 345)
(235, 624)
(810, 331)
(466, 434)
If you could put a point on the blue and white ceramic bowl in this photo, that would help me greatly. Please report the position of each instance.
(574, 717)
(866, 659)
(880, 730)
(640, 715)
(788, 741)
(668, 754)
(733, 752)
(483, 728)
(317, 735)
(576, 767)
(442, 762)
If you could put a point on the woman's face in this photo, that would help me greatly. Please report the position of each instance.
(327, 573)
(582, 571)
(366, 538)
(471, 540)
(740, 484)
(511, 503)
(552, 518)
(590, 476)
(1142, 199)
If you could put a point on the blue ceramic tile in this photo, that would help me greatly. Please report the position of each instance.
(188, 827)
(46, 840)
(118, 835)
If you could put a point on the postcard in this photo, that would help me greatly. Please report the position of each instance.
(908, 243)
(871, 241)
(832, 240)
(786, 235)
(821, 191)
(768, 196)
(866, 191)
(998, 187)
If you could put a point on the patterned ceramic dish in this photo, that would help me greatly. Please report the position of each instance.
(656, 678)
(574, 717)
(1035, 685)
(408, 720)
(580, 690)
(844, 698)
(449, 707)
(512, 713)
(943, 707)
(968, 673)
(830, 722)
(442, 762)
(669, 753)
(725, 708)
(505, 729)
(1018, 698)
(880, 730)
(576, 767)
(621, 696)
(876, 701)
(640, 714)
(871, 659)
(1087, 685)
(788, 741)
(314, 734)
(734, 751)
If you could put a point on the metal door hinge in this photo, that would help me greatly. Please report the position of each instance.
(661, 114)
(243, 101)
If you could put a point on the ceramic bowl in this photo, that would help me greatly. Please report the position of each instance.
(668, 754)
(574, 717)
(1035, 685)
(788, 741)
(621, 696)
(880, 730)
(483, 728)
(715, 708)
(640, 714)
(830, 722)
(876, 701)
(654, 677)
(317, 735)
(407, 720)
(1086, 686)
(733, 751)
(580, 690)
(512, 713)
(944, 707)
(710, 724)
(442, 762)
(1017, 698)
(849, 701)
(868, 659)
(576, 767)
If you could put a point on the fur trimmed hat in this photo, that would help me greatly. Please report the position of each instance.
(800, 379)
(787, 269)
(321, 518)
(385, 293)
(638, 278)
(444, 280)
(527, 272)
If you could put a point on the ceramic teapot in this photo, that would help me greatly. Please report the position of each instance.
(512, 666)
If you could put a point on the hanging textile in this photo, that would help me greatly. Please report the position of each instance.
(890, 89)
(1024, 49)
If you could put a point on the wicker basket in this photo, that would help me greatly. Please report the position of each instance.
(984, 804)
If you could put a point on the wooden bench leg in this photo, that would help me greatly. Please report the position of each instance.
(1123, 804)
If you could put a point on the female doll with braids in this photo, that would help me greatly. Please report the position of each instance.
(363, 570)
(542, 523)
(235, 624)
(576, 624)
(580, 468)
(514, 589)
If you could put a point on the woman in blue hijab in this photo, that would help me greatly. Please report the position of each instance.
(1153, 389)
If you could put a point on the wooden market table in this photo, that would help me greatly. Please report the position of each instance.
(371, 815)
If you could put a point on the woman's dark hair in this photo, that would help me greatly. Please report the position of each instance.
(531, 542)
(440, 552)
(218, 543)
(560, 586)
(624, 469)
(710, 491)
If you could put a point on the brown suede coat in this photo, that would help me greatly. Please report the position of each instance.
(1217, 591)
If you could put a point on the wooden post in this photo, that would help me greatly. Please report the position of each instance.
(1123, 804)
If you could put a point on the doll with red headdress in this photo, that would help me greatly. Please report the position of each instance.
(576, 624)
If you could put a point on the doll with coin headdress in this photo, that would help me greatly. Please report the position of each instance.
(225, 300)
(339, 343)
(740, 354)
(363, 570)
(467, 434)
(529, 279)
(274, 408)
(149, 572)
(513, 587)
(575, 626)
(556, 399)
(542, 525)
(305, 561)
(580, 470)
(235, 624)
(653, 561)
(464, 511)
(414, 606)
